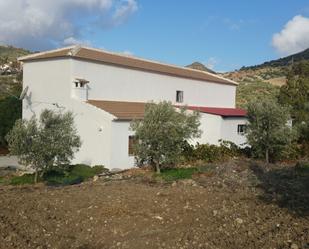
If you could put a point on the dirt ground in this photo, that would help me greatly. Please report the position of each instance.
(239, 204)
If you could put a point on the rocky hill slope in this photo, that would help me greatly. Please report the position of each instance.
(273, 72)
(259, 80)
(201, 67)
(10, 69)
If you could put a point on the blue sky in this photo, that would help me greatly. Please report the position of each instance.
(223, 34)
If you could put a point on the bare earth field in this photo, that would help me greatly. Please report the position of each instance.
(239, 204)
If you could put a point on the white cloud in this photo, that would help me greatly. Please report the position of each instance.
(73, 41)
(233, 24)
(127, 53)
(294, 37)
(37, 24)
(211, 63)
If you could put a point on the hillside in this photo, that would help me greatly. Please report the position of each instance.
(273, 72)
(201, 67)
(264, 79)
(10, 69)
(9, 53)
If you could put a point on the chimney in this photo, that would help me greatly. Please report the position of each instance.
(80, 89)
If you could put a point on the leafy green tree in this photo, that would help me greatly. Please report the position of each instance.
(10, 111)
(48, 142)
(296, 95)
(267, 131)
(248, 91)
(162, 132)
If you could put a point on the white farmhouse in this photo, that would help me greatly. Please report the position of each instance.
(105, 91)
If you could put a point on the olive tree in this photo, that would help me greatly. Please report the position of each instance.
(267, 131)
(295, 93)
(48, 142)
(160, 135)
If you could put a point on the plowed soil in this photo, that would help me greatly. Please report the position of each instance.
(239, 205)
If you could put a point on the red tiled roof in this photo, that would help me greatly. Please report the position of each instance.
(135, 110)
(224, 112)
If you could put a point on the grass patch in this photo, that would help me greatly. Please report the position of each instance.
(177, 174)
(4, 180)
(74, 174)
(21, 180)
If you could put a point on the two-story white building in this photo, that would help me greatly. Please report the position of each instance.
(106, 91)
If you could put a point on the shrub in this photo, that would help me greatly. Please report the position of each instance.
(211, 153)
(161, 133)
(267, 131)
(45, 143)
(10, 111)
(64, 180)
(99, 169)
(302, 168)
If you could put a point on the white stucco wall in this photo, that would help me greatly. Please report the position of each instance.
(123, 84)
(120, 158)
(229, 130)
(211, 127)
(51, 82)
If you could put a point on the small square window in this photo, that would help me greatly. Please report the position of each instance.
(241, 129)
(179, 96)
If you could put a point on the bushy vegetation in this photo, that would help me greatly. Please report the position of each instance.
(253, 91)
(295, 94)
(10, 111)
(283, 62)
(161, 133)
(43, 144)
(10, 53)
(302, 168)
(69, 175)
(211, 153)
(267, 131)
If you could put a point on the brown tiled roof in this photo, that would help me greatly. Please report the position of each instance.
(135, 110)
(121, 110)
(91, 54)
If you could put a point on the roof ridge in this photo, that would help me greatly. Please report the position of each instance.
(44, 53)
(157, 62)
(78, 51)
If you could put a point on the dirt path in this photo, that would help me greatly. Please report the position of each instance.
(225, 210)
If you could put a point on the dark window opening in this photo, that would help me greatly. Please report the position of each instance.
(241, 129)
(179, 96)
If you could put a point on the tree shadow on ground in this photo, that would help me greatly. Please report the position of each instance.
(288, 187)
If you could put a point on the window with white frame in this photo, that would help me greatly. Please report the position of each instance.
(179, 96)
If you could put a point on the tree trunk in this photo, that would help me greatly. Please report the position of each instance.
(267, 156)
(36, 176)
(158, 168)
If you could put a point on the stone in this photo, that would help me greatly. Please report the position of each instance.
(294, 246)
(239, 221)
(95, 178)
(158, 217)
